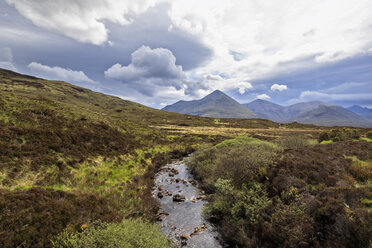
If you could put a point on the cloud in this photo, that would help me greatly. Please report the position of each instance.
(315, 95)
(6, 59)
(263, 97)
(82, 20)
(278, 87)
(59, 73)
(268, 40)
(148, 63)
(151, 71)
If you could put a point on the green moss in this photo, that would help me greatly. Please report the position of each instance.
(326, 142)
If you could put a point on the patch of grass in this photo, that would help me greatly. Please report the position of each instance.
(326, 142)
(127, 234)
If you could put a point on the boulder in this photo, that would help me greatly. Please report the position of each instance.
(160, 194)
(179, 198)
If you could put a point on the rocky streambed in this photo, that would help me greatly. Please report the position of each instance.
(181, 203)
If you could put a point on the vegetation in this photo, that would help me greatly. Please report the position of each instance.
(265, 196)
(341, 134)
(70, 157)
(128, 234)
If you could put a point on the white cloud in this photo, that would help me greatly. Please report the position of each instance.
(59, 73)
(82, 20)
(263, 97)
(275, 36)
(149, 68)
(154, 72)
(148, 63)
(6, 59)
(278, 87)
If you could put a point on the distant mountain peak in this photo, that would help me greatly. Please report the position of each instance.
(216, 105)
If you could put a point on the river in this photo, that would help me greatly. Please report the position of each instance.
(181, 203)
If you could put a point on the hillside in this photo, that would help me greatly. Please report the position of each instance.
(318, 113)
(216, 105)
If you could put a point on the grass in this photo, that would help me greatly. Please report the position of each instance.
(326, 142)
(127, 234)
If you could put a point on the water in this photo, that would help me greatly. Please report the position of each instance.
(183, 221)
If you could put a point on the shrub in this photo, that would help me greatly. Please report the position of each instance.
(323, 136)
(293, 142)
(128, 234)
(369, 134)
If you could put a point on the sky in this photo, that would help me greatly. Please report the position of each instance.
(157, 52)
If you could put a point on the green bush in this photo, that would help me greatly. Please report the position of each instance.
(241, 205)
(239, 160)
(340, 134)
(128, 234)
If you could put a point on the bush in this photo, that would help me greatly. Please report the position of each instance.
(323, 136)
(369, 134)
(128, 234)
(293, 142)
(239, 160)
(242, 205)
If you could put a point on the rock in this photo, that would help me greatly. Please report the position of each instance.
(160, 194)
(160, 187)
(179, 198)
(169, 193)
(193, 200)
(161, 217)
(183, 243)
(184, 182)
(177, 186)
(173, 180)
(178, 180)
(163, 212)
(185, 236)
(171, 174)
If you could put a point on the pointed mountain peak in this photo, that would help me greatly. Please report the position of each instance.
(217, 93)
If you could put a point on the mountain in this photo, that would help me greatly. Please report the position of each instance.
(363, 111)
(316, 112)
(332, 115)
(267, 110)
(216, 105)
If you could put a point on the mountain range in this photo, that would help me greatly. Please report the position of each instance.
(219, 105)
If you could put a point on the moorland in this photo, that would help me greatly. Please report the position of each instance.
(77, 170)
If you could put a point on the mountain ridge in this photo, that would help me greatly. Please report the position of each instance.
(314, 112)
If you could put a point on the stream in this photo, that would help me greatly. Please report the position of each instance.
(181, 203)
